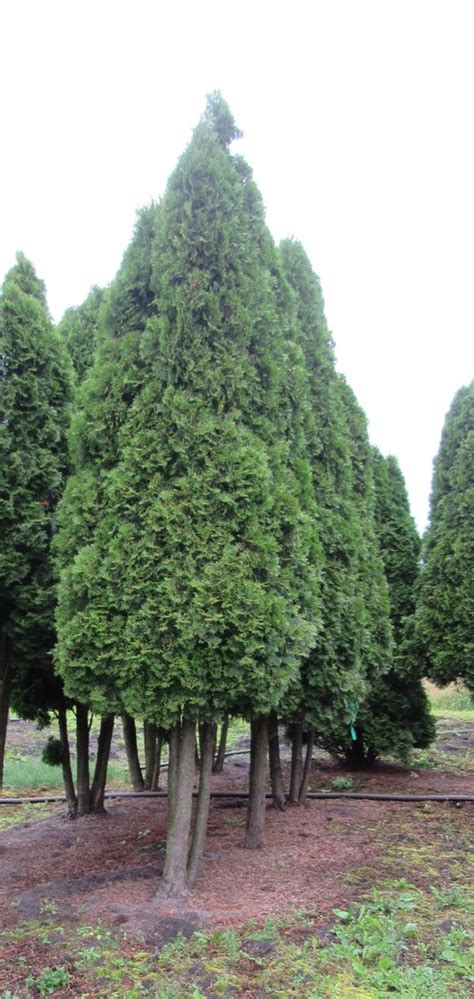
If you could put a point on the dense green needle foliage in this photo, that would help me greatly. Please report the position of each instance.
(195, 591)
(101, 407)
(394, 717)
(34, 394)
(353, 645)
(446, 607)
(79, 328)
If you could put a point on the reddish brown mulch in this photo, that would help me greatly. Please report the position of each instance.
(109, 868)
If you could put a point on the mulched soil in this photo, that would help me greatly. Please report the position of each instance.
(109, 868)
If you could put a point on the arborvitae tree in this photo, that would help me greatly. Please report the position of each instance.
(197, 593)
(375, 648)
(79, 329)
(331, 678)
(394, 717)
(101, 406)
(445, 616)
(34, 393)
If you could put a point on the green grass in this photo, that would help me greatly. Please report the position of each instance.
(453, 701)
(400, 940)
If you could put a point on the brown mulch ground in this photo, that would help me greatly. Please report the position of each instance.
(109, 868)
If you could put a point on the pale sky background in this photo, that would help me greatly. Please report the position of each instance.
(358, 120)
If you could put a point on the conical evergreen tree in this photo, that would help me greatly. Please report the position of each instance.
(395, 717)
(34, 393)
(375, 649)
(198, 594)
(79, 328)
(446, 605)
(331, 679)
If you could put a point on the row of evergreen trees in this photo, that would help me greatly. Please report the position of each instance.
(227, 542)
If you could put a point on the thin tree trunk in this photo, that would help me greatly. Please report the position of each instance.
(296, 763)
(208, 735)
(256, 805)
(82, 749)
(131, 749)
(218, 765)
(149, 734)
(68, 778)
(155, 781)
(101, 764)
(306, 768)
(182, 747)
(5, 692)
(276, 776)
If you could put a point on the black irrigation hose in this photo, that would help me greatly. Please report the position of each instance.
(320, 795)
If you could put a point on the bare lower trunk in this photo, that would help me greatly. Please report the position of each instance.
(296, 763)
(149, 734)
(208, 735)
(306, 768)
(131, 749)
(218, 765)
(82, 750)
(68, 779)
(276, 776)
(155, 780)
(256, 806)
(179, 825)
(5, 692)
(101, 764)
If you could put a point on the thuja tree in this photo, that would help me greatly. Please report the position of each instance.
(79, 328)
(330, 679)
(101, 406)
(188, 603)
(394, 717)
(446, 601)
(375, 637)
(34, 393)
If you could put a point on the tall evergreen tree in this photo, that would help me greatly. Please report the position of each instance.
(394, 716)
(79, 328)
(101, 406)
(34, 393)
(354, 643)
(197, 594)
(445, 615)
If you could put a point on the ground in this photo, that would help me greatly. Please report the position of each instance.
(347, 898)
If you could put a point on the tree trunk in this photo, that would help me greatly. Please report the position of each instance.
(68, 779)
(208, 736)
(5, 691)
(356, 757)
(256, 806)
(101, 764)
(296, 763)
(149, 734)
(306, 768)
(182, 746)
(82, 749)
(131, 749)
(218, 765)
(155, 780)
(276, 776)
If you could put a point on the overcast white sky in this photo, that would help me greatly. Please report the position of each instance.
(358, 121)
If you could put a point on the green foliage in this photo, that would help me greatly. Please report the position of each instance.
(446, 606)
(79, 328)
(193, 585)
(34, 394)
(53, 753)
(333, 673)
(395, 715)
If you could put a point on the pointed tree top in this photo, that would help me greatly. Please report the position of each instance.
(26, 278)
(220, 117)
